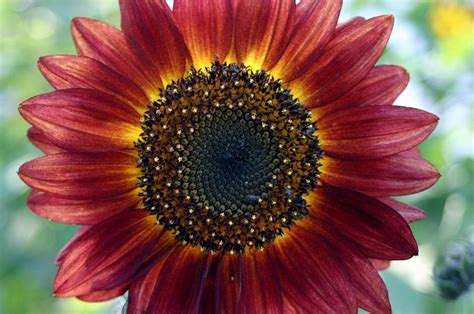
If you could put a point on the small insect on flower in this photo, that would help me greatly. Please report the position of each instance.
(228, 156)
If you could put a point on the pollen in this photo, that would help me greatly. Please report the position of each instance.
(213, 173)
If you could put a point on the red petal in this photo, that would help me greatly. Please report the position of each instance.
(174, 286)
(316, 21)
(412, 153)
(83, 120)
(141, 290)
(394, 175)
(261, 31)
(379, 231)
(373, 132)
(382, 86)
(80, 211)
(228, 284)
(65, 250)
(368, 287)
(346, 26)
(208, 301)
(66, 71)
(100, 296)
(207, 28)
(347, 60)
(310, 274)
(108, 45)
(82, 176)
(408, 212)
(153, 34)
(261, 290)
(107, 255)
(38, 139)
(380, 264)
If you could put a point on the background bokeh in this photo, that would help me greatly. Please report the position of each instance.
(434, 40)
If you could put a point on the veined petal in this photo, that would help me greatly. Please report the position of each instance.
(348, 58)
(261, 290)
(108, 45)
(261, 31)
(318, 281)
(408, 212)
(66, 71)
(83, 120)
(80, 211)
(153, 34)
(393, 175)
(206, 27)
(368, 287)
(64, 251)
(347, 25)
(183, 274)
(38, 139)
(82, 176)
(378, 230)
(315, 23)
(382, 86)
(373, 132)
(104, 295)
(380, 264)
(208, 301)
(108, 254)
(142, 289)
(228, 284)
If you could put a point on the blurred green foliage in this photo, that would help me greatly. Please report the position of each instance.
(433, 39)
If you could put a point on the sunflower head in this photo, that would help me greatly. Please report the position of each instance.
(228, 156)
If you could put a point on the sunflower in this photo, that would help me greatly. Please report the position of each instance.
(228, 156)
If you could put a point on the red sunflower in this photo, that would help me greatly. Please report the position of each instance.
(228, 156)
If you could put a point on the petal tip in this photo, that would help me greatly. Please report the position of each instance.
(79, 22)
(388, 19)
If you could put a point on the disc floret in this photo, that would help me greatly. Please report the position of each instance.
(227, 156)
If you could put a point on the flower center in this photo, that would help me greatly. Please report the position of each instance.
(227, 156)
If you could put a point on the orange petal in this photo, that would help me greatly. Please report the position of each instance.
(261, 31)
(153, 34)
(82, 176)
(65, 71)
(315, 23)
(83, 120)
(207, 28)
(373, 132)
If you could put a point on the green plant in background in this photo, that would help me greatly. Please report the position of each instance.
(440, 64)
(454, 276)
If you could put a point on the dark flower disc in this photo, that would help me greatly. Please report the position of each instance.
(227, 156)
